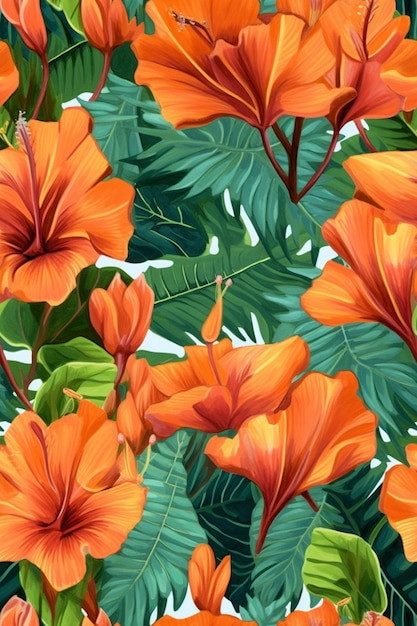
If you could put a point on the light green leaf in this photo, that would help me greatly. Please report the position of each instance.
(340, 565)
(153, 562)
(93, 381)
(72, 11)
(78, 349)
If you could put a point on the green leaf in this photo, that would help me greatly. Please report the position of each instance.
(229, 154)
(75, 70)
(224, 505)
(115, 117)
(277, 571)
(163, 227)
(185, 292)
(72, 11)
(381, 361)
(262, 614)
(20, 322)
(340, 565)
(356, 499)
(153, 562)
(77, 349)
(93, 381)
(9, 582)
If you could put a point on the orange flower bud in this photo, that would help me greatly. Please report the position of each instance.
(208, 583)
(121, 314)
(26, 17)
(213, 324)
(106, 24)
(17, 612)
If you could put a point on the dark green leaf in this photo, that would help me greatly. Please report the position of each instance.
(75, 70)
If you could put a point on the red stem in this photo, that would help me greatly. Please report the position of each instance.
(44, 86)
(365, 137)
(321, 169)
(6, 368)
(103, 77)
(271, 157)
(310, 501)
(296, 138)
(281, 138)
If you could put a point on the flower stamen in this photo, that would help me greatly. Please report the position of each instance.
(199, 27)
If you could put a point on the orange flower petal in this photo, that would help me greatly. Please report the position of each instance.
(399, 73)
(17, 612)
(399, 503)
(382, 271)
(97, 468)
(324, 615)
(204, 618)
(306, 445)
(9, 76)
(208, 584)
(399, 170)
(251, 369)
(27, 17)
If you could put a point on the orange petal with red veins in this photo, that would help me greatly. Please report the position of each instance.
(324, 615)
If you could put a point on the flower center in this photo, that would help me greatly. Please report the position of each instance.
(199, 27)
(22, 133)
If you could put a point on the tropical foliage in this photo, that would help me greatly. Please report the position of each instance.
(248, 172)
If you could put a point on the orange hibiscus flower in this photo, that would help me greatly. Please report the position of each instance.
(17, 612)
(324, 615)
(58, 215)
(325, 432)
(309, 11)
(399, 501)
(65, 492)
(398, 195)
(106, 24)
(372, 58)
(221, 59)
(218, 387)
(9, 76)
(380, 284)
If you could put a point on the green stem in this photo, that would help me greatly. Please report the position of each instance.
(377, 529)
(38, 344)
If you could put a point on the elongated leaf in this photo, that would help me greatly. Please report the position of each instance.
(224, 504)
(75, 71)
(9, 582)
(339, 566)
(277, 571)
(185, 292)
(153, 561)
(229, 154)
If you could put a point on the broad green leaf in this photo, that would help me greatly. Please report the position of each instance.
(153, 561)
(262, 614)
(224, 505)
(115, 117)
(75, 70)
(72, 11)
(20, 322)
(277, 571)
(93, 381)
(382, 362)
(341, 565)
(163, 227)
(30, 579)
(356, 499)
(77, 349)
